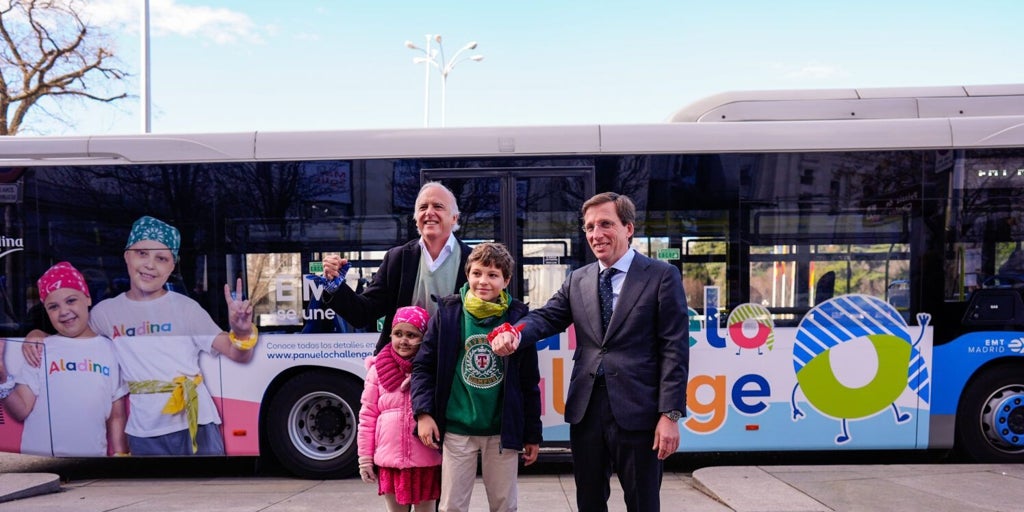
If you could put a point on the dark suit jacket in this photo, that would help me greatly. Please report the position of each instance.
(390, 289)
(645, 351)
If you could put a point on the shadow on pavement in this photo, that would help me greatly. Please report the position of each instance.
(128, 468)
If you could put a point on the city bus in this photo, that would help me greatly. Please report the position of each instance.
(852, 259)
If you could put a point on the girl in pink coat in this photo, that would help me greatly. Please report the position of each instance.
(409, 473)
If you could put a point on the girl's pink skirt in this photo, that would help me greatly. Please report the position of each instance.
(410, 485)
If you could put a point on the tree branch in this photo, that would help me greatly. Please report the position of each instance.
(52, 53)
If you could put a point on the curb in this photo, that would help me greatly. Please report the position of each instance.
(752, 489)
(15, 486)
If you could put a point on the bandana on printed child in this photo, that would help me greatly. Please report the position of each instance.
(149, 228)
(61, 275)
(412, 315)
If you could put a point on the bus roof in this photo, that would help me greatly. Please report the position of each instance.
(777, 121)
(866, 103)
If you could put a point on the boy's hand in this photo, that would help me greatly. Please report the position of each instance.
(530, 452)
(505, 327)
(427, 429)
(239, 311)
(32, 348)
(504, 339)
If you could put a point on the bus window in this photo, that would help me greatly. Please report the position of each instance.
(827, 225)
(792, 278)
(987, 229)
(898, 294)
(704, 265)
(541, 281)
(275, 289)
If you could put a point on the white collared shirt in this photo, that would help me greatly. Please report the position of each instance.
(622, 266)
(449, 246)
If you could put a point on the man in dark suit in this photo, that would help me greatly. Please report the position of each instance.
(410, 274)
(628, 385)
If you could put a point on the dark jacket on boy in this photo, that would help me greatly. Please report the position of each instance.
(438, 356)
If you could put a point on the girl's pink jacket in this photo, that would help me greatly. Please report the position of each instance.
(386, 425)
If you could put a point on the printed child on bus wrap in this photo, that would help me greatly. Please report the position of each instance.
(410, 473)
(469, 400)
(158, 336)
(79, 378)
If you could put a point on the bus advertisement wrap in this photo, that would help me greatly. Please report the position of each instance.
(853, 283)
(855, 376)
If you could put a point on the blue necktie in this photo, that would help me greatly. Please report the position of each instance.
(604, 292)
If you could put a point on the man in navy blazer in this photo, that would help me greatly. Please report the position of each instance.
(398, 282)
(627, 390)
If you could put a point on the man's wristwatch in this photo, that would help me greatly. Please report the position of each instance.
(674, 415)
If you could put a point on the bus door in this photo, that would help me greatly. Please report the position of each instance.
(533, 211)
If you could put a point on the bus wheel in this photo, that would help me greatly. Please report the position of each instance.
(311, 424)
(990, 420)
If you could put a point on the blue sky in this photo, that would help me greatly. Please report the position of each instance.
(244, 65)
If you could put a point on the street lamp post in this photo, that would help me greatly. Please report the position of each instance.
(437, 59)
(427, 60)
(446, 68)
(144, 87)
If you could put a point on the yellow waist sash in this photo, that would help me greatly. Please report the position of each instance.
(183, 397)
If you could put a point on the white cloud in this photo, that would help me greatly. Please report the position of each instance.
(816, 72)
(168, 17)
(805, 71)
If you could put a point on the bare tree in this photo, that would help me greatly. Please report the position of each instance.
(49, 52)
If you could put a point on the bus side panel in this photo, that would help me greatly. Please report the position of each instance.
(961, 358)
(744, 392)
(10, 428)
(244, 385)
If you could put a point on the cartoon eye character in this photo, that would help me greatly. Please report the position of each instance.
(860, 319)
(750, 326)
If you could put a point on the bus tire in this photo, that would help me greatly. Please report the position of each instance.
(311, 424)
(990, 418)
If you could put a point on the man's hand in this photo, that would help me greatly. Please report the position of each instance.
(335, 266)
(666, 437)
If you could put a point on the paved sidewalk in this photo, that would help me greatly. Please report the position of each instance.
(554, 493)
(875, 488)
(804, 488)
